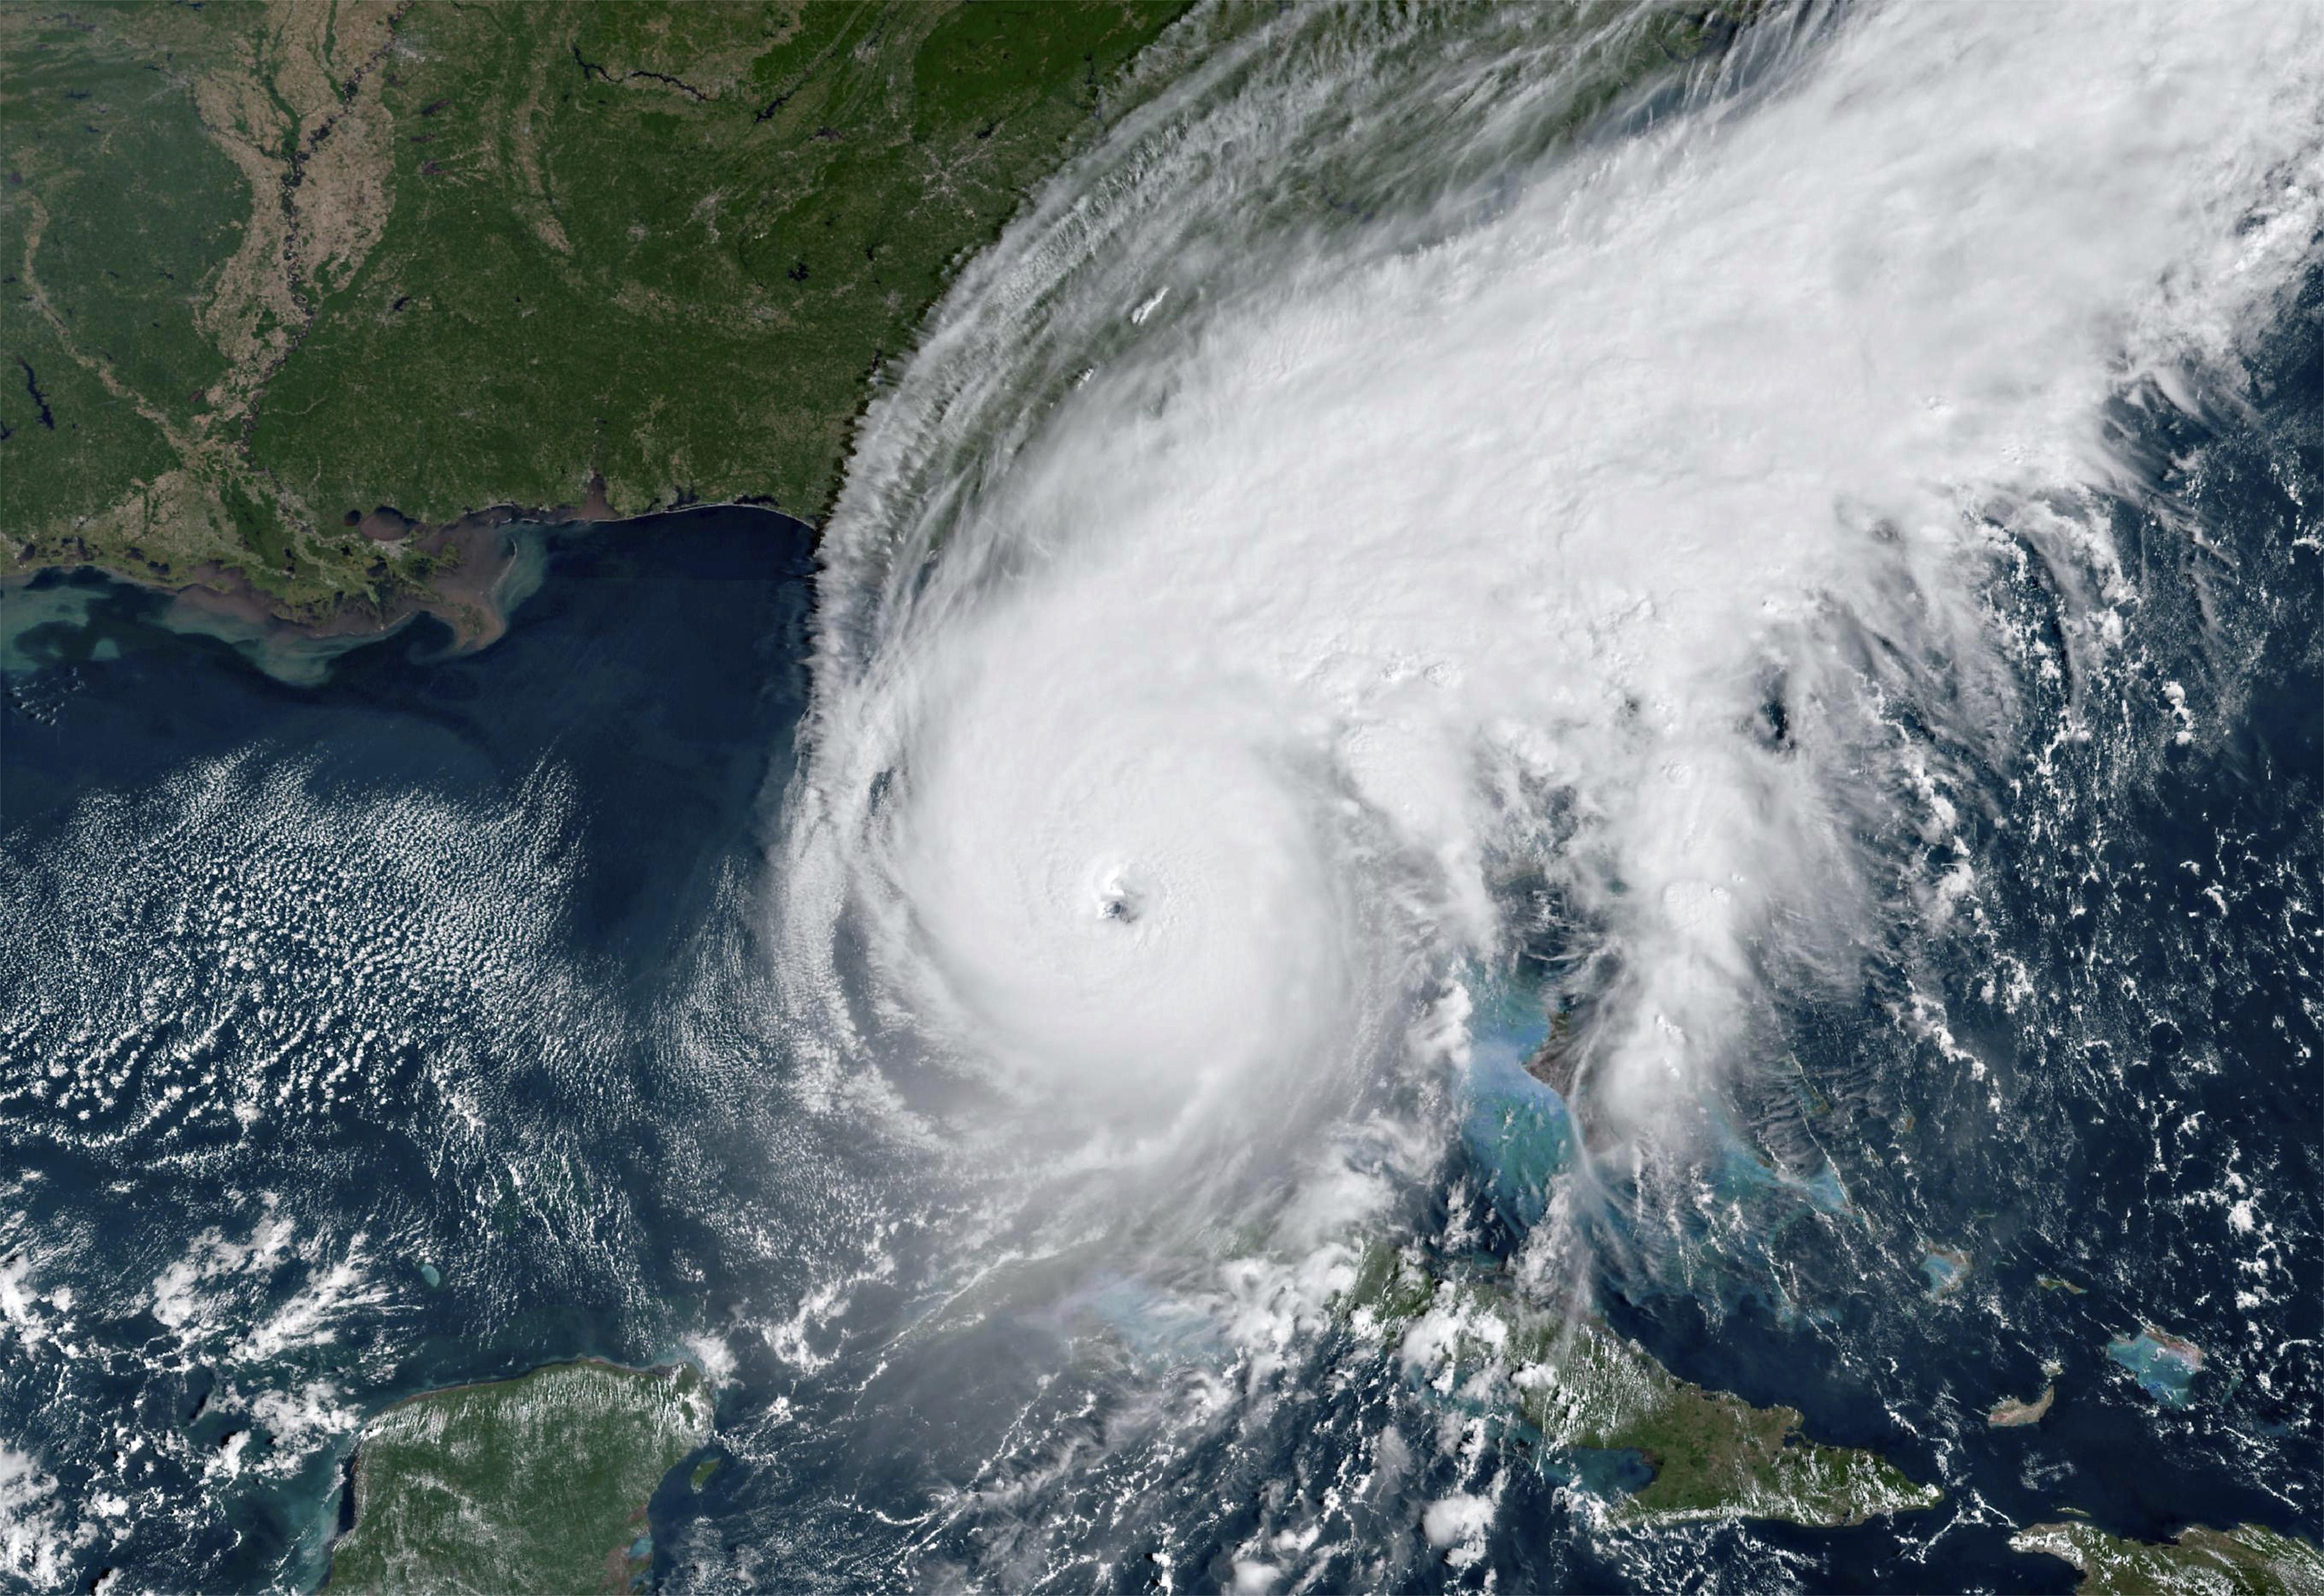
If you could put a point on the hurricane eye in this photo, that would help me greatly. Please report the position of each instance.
(1118, 900)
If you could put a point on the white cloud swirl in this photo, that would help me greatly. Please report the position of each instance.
(1457, 512)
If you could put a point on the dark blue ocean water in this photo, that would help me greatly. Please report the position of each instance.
(369, 1035)
(656, 676)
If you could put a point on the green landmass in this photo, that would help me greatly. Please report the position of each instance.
(2011, 1413)
(289, 287)
(1714, 1455)
(265, 268)
(2246, 1560)
(1583, 1388)
(531, 1485)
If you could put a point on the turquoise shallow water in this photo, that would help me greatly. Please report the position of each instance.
(369, 1034)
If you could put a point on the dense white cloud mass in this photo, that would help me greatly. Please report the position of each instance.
(1200, 668)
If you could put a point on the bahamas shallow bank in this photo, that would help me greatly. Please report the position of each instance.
(1350, 566)
(1546, 822)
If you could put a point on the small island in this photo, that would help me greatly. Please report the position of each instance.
(2009, 1413)
(533, 1484)
(1947, 1269)
(2164, 1365)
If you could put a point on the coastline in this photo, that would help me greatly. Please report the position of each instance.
(518, 1516)
(482, 578)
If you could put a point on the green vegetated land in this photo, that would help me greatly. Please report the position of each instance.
(1714, 1456)
(2246, 1560)
(267, 267)
(535, 1484)
(1584, 1390)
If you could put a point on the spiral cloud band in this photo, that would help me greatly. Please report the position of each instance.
(1347, 526)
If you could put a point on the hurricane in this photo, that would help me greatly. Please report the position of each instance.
(1413, 515)
(1243, 626)
(1541, 816)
